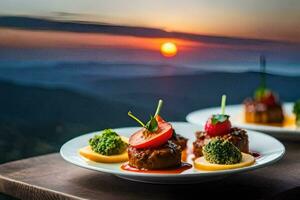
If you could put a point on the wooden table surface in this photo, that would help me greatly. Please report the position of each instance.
(50, 177)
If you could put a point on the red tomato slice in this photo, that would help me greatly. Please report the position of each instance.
(161, 136)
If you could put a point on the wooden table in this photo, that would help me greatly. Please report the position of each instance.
(50, 177)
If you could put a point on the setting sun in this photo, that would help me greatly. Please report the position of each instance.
(168, 49)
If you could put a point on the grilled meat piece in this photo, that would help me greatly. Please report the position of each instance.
(257, 112)
(165, 156)
(180, 140)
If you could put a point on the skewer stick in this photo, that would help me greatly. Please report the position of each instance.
(223, 104)
(160, 103)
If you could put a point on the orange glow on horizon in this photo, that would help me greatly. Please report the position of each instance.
(55, 39)
(168, 49)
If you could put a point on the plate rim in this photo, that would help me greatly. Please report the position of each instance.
(153, 175)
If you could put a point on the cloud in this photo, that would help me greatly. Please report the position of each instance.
(32, 23)
(67, 14)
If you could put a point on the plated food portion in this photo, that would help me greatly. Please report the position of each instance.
(221, 146)
(156, 147)
(106, 147)
(220, 126)
(221, 154)
(264, 107)
(289, 130)
(264, 111)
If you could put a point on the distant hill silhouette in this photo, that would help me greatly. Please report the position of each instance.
(35, 120)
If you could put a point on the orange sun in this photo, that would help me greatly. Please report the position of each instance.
(168, 49)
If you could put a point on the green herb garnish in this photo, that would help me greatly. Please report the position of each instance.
(296, 111)
(152, 124)
(136, 119)
(219, 118)
(108, 143)
(221, 151)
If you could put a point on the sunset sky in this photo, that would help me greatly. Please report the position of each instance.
(272, 19)
(232, 33)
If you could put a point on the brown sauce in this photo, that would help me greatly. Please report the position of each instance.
(183, 167)
(255, 154)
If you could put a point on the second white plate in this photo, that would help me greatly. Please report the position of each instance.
(236, 113)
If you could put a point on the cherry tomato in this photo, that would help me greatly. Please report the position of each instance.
(141, 140)
(268, 99)
(218, 129)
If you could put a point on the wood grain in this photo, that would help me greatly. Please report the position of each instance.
(50, 177)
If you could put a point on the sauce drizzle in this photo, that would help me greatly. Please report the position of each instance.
(255, 154)
(184, 166)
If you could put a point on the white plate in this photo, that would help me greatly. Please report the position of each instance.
(236, 113)
(269, 148)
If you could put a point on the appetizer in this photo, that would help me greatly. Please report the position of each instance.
(106, 147)
(221, 154)
(219, 125)
(265, 107)
(155, 145)
(296, 111)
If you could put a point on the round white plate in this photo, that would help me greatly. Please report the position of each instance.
(269, 148)
(236, 113)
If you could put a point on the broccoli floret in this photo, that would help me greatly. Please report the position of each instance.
(220, 151)
(107, 143)
(296, 111)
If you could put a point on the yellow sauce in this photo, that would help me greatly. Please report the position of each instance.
(288, 122)
(202, 164)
